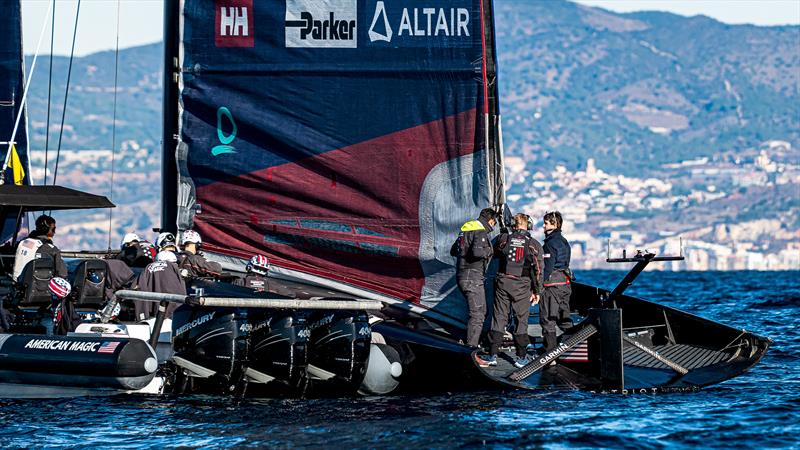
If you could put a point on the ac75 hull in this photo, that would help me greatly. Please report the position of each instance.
(632, 345)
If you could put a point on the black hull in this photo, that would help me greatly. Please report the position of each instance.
(636, 347)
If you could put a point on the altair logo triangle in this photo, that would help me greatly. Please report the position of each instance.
(380, 13)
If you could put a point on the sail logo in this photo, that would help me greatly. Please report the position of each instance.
(409, 26)
(224, 139)
(321, 24)
(234, 23)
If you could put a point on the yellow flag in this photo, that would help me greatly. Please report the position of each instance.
(16, 166)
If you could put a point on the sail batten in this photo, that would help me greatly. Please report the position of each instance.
(345, 139)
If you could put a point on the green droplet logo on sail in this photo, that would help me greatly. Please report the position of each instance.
(224, 140)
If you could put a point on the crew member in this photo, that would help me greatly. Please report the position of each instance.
(166, 241)
(135, 251)
(39, 244)
(473, 249)
(518, 284)
(256, 277)
(554, 307)
(65, 318)
(162, 276)
(192, 263)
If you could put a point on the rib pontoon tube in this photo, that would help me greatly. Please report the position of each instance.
(76, 361)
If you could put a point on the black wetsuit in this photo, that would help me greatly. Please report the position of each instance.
(198, 266)
(160, 276)
(137, 255)
(554, 306)
(474, 251)
(519, 275)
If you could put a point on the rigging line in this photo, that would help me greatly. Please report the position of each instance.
(66, 92)
(24, 97)
(49, 91)
(114, 129)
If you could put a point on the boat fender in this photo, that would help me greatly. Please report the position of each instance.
(383, 371)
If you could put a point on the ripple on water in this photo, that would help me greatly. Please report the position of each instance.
(758, 409)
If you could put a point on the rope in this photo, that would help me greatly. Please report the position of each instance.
(114, 130)
(24, 97)
(49, 91)
(66, 91)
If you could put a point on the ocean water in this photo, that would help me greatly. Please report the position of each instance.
(760, 409)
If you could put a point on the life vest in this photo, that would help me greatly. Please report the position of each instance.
(26, 252)
(516, 257)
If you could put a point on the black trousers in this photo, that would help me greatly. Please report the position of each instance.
(554, 311)
(475, 293)
(511, 294)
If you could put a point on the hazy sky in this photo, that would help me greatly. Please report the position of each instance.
(140, 21)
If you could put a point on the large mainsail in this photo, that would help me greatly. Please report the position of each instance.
(12, 86)
(346, 139)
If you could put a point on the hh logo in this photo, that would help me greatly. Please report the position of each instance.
(234, 23)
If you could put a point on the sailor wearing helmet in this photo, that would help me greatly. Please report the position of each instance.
(166, 241)
(65, 318)
(192, 263)
(39, 244)
(256, 277)
(135, 251)
(163, 276)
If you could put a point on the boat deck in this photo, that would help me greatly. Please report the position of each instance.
(687, 356)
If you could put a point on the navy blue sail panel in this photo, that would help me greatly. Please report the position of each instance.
(12, 85)
(289, 103)
(344, 138)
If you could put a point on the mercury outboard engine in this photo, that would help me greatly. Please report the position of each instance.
(210, 345)
(338, 348)
(278, 350)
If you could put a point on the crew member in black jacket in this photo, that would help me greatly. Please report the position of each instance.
(554, 307)
(518, 284)
(474, 251)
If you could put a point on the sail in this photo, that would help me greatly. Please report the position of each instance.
(347, 140)
(12, 85)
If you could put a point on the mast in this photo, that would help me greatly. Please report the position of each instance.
(169, 168)
(494, 138)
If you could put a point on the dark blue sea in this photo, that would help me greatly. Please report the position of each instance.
(760, 409)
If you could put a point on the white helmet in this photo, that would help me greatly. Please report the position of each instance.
(130, 237)
(191, 236)
(166, 255)
(165, 239)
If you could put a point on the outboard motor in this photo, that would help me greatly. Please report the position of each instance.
(278, 348)
(210, 345)
(339, 347)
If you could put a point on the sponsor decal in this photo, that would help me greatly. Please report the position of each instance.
(234, 22)
(324, 321)
(321, 24)
(70, 346)
(157, 266)
(224, 139)
(199, 321)
(553, 353)
(416, 26)
(247, 327)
